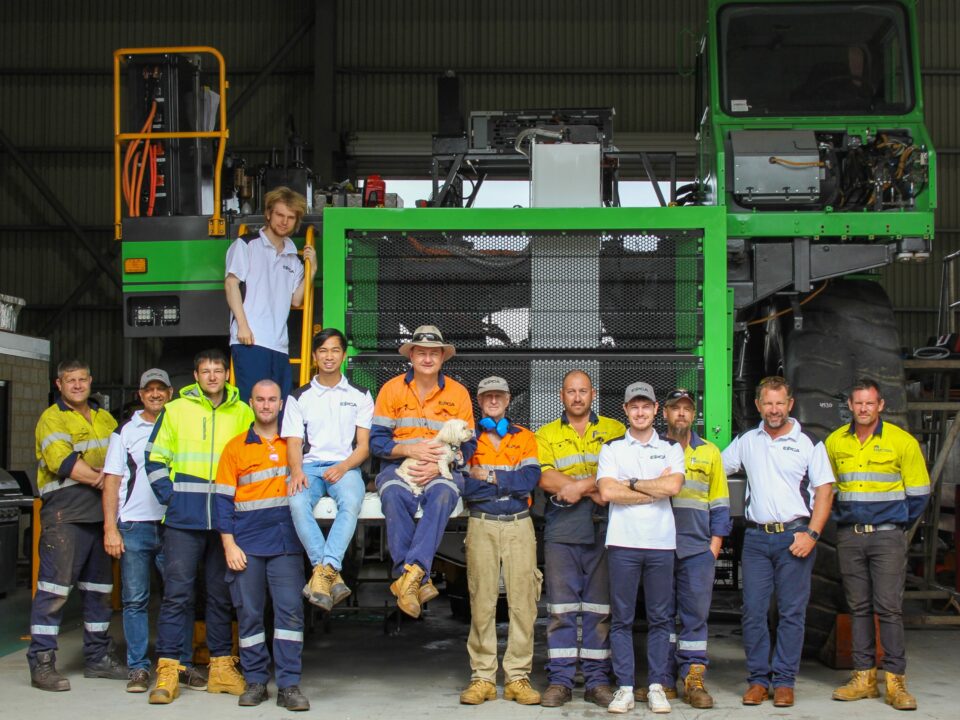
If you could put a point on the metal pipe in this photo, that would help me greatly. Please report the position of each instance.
(58, 207)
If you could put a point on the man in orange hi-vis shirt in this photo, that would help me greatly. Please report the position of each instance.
(409, 411)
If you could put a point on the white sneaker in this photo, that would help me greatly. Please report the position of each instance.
(622, 701)
(657, 699)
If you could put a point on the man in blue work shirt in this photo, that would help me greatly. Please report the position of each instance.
(882, 490)
(784, 521)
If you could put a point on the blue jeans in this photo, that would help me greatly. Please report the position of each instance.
(629, 568)
(252, 363)
(142, 549)
(348, 493)
(183, 551)
(768, 566)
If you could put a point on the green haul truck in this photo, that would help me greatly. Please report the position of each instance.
(814, 169)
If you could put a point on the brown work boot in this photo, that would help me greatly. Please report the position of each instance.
(428, 591)
(338, 588)
(783, 697)
(317, 589)
(44, 674)
(694, 691)
(406, 589)
(478, 692)
(897, 694)
(167, 687)
(522, 692)
(601, 695)
(640, 693)
(861, 685)
(755, 695)
(224, 676)
(555, 696)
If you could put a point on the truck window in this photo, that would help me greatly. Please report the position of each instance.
(815, 59)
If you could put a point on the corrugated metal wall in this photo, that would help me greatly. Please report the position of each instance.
(55, 85)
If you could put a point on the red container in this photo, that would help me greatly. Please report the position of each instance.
(374, 191)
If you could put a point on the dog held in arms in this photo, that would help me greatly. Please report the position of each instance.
(451, 434)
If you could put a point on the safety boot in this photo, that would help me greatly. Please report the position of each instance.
(406, 589)
(44, 675)
(317, 589)
(167, 687)
(428, 591)
(861, 685)
(478, 692)
(338, 588)
(694, 691)
(897, 694)
(224, 676)
(521, 692)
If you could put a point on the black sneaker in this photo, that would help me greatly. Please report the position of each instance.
(292, 699)
(255, 694)
(138, 681)
(193, 678)
(106, 667)
(44, 673)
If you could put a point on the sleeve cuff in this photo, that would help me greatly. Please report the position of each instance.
(66, 467)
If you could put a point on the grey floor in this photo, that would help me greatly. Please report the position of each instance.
(352, 669)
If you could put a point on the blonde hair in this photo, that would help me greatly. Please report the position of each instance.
(291, 198)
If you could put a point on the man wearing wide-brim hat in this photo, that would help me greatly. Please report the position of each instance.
(409, 411)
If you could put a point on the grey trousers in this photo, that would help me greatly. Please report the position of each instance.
(873, 567)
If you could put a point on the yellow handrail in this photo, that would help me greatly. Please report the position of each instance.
(306, 328)
(217, 226)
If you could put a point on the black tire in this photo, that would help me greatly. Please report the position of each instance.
(848, 332)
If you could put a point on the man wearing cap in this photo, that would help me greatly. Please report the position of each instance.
(327, 429)
(71, 444)
(701, 511)
(637, 475)
(882, 489)
(133, 530)
(573, 548)
(503, 472)
(409, 411)
(784, 521)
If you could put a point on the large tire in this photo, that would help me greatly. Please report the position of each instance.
(848, 332)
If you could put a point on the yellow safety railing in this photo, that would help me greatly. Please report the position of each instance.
(306, 322)
(216, 226)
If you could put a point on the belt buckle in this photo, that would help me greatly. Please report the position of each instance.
(863, 529)
(777, 528)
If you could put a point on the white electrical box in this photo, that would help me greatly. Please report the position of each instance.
(565, 175)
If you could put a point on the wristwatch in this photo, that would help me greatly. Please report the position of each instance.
(492, 477)
(633, 483)
(812, 533)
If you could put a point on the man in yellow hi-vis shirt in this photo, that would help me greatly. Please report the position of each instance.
(882, 489)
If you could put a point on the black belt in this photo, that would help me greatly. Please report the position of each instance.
(499, 518)
(776, 527)
(864, 529)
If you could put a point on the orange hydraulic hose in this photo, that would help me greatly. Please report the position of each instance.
(139, 186)
(128, 172)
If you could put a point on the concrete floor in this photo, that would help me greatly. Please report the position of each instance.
(357, 671)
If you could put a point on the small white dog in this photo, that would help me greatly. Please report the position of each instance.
(451, 435)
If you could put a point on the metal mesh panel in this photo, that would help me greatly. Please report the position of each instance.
(594, 291)
(535, 381)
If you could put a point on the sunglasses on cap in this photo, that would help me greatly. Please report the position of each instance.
(677, 394)
(427, 337)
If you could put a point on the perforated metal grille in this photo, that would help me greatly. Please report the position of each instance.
(595, 291)
(535, 381)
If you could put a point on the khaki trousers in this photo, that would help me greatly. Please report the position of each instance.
(512, 545)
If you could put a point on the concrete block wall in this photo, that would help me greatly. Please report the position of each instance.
(29, 383)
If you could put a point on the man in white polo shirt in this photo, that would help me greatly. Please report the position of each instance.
(638, 474)
(133, 533)
(327, 429)
(784, 521)
(264, 277)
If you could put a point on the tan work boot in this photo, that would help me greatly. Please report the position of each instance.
(338, 588)
(897, 694)
(522, 692)
(317, 589)
(428, 591)
(478, 692)
(167, 687)
(406, 589)
(861, 685)
(694, 691)
(224, 676)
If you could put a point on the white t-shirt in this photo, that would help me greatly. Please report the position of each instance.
(648, 527)
(126, 458)
(780, 472)
(327, 418)
(269, 281)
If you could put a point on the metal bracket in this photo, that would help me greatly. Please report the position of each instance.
(217, 227)
(797, 312)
